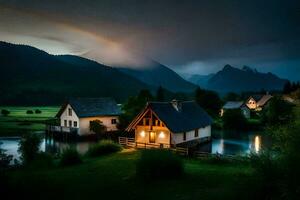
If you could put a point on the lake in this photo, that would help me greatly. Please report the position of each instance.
(228, 143)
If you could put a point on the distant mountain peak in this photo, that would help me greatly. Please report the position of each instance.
(249, 69)
(232, 79)
(160, 75)
(227, 67)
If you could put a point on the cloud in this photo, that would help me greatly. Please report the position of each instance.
(57, 37)
(193, 36)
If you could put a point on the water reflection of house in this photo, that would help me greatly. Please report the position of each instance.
(230, 105)
(167, 124)
(76, 114)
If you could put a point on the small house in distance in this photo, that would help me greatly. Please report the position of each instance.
(167, 124)
(236, 105)
(257, 102)
(76, 114)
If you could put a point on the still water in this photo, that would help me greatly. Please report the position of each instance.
(241, 143)
(250, 143)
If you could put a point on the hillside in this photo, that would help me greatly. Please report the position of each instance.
(231, 79)
(159, 75)
(31, 76)
(200, 80)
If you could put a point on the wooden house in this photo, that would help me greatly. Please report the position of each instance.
(236, 105)
(76, 114)
(257, 102)
(167, 124)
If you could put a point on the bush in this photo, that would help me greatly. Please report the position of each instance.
(69, 157)
(159, 164)
(4, 159)
(29, 112)
(233, 119)
(37, 111)
(29, 147)
(278, 112)
(5, 112)
(42, 160)
(104, 147)
(269, 172)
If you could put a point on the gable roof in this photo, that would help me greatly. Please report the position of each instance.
(256, 97)
(190, 116)
(233, 105)
(91, 107)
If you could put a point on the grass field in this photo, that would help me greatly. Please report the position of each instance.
(18, 121)
(113, 177)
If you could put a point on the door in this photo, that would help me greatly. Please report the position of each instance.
(152, 137)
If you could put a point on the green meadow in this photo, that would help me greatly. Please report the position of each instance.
(18, 121)
(114, 177)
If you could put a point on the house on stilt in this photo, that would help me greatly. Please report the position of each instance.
(76, 115)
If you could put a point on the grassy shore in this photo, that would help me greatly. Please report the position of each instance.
(114, 177)
(18, 121)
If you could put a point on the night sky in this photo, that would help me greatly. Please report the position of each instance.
(191, 37)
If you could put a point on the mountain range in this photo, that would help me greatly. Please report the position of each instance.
(32, 76)
(157, 74)
(231, 79)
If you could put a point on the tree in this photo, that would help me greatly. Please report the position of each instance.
(233, 119)
(277, 112)
(29, 147)
(160, 94)
(29, 112)
(209, 101)
(5, 112)
(132, 107)
(4, 159)
(279, 171)
(37, 111)
(287, 88)
(97, 127)
(231, 96)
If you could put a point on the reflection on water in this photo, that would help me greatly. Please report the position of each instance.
(11, 145)
(249, 142)
(257, 143)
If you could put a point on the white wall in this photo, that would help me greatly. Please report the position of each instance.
(160, 131)
(177, 138)
(84, 123)
(251, 103)
(65, 116)
(106, 120)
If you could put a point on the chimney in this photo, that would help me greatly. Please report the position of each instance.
(176, 104)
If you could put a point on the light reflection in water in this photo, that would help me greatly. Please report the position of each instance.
(257, 143)
(250, 143)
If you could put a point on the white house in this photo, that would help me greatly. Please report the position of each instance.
(167, 124)
(76, 114)
(236, 105)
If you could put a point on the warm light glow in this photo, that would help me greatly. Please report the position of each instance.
(257, 144)
(143, 134)
(161, 135)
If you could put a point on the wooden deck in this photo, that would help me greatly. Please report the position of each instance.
(130, 142)
(61, 129)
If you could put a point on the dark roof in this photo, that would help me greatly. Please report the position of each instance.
(90, 107)
(233, 104)
(188, 117)
(264, 100)
(256, 97)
